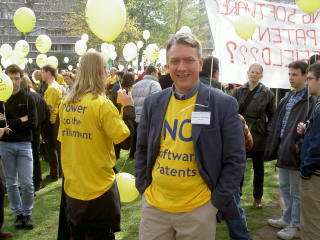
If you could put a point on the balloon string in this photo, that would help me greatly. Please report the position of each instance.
(125, 162)
(4, 114)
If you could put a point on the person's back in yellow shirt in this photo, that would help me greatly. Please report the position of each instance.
(53, 96)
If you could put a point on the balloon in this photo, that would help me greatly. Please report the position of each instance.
(30, 60)
(185, 29)
(104, 47)
(111, 47)
(53, 61)
(80, 47)
(43, 43)
(91, 50)
(121, 67)
(22, 47)
(106, 18)
(308, 6)
(130, 51)
(105, 56)
(66, 59)
(24, 19)
(139, 44)
(163, 57)
(152, 52)
(70, 67)
(6, 51)
(146, 34)
(17, 58)
(41, 60)
(85, 37)
(245, 26)
(6, 87)
(78, 65)
(25, 61)
(0, 69)
(126, 186)
(22, 66)
(113, 56)
(6, 62)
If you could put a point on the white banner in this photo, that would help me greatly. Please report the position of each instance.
(284, 34)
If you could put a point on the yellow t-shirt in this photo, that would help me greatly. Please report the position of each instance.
(177, 185)
(60, 80)
(53, 96)
(87, 132)
(112, 80)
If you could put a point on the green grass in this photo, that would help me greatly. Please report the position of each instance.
(47, 201)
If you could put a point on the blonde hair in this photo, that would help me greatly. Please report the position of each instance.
(90, 77)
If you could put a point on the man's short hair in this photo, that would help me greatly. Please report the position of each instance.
(49, 68)
(315, 69)
(209, 63)
(186, 39)
(313, 59)
(302, 65)
(151, 69)
(13, 69)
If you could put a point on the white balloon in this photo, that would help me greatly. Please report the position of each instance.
(70, 67)
(25, 61)
(0, 69)
(152, 52)
(113, 56)
(105, 56)
(85, 37)
(139, 44)
(80, 47)
(30, 60)
(53, 61)
(41, 60)
(163, 57)
(5, 62)
(17, 58)
(78, 65)
(185, 29)
(6, 51)
(66, 59)
(22, 66)
(130, 51)
(91, 50)
(121, 67)
(104, 47)
(22, 47)
(146, 34)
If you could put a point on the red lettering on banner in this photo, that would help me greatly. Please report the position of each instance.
(302, 36)
(261, 36)
(244, 6)
(268, 62)
(292, 55)
(292, 15)
(277, 31)
(279, 65)
(298, 55)
(313, 36)
(288, 33)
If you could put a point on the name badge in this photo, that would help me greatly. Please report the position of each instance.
(201, 118)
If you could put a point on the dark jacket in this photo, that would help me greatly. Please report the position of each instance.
(43, 111)
(165, 81)
(310, 151)
(17, 106)
(258, 114)
(206, 80)
(287, 155)
(219, 147)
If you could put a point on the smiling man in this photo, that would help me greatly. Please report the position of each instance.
(190, 152)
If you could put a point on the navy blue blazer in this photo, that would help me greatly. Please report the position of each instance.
(219, 147)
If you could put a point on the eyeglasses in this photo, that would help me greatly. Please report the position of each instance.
(311, 78)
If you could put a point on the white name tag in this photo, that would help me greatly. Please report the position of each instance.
(201, 118)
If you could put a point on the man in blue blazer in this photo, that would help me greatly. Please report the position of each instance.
(190, 154)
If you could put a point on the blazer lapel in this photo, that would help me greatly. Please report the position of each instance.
(203, 100)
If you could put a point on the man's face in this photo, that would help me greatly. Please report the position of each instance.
(313, 84)
(68, 80)
(16, 80)
(45, 75)
(296, 78)
(254, 74)
(113, 72)
(184, 66)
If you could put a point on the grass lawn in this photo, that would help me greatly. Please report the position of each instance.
(47, 202)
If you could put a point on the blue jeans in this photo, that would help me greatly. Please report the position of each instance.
(289, 181)
(17, 161)
(238, 228)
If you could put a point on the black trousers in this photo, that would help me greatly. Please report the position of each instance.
(49, 135)
(258, 173)
(36, 159)
(134, 141)
(95, 219)
(1, 204)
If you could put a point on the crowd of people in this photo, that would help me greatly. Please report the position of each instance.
(189, 135)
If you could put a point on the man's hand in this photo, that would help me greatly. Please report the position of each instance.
(6, 130)
(124, 98)
(2, 118)
(24, 118)
(301, 128)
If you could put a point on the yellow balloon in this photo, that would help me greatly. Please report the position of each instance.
(308, 6)
(106, 18)
(24, 19)
(152, 52)
(53, 61)
(6, 87)
(245, 26)
(126, 186)
(22, 47)
(41, 60)
(43, 43)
